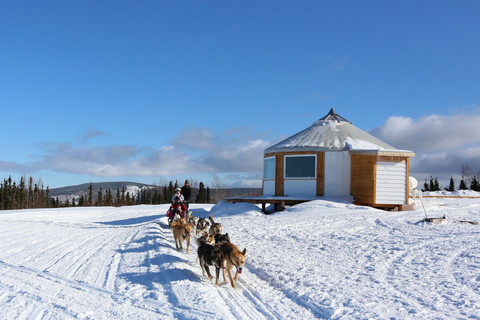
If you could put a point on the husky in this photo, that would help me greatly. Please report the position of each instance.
(206, 238)
(232, 257)
(181, 231)
(221, 238)
(193, 221)
(215, 227)
(202, 225)
(209, 255)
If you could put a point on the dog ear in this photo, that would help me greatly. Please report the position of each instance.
(244, 251)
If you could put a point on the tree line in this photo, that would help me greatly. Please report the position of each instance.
(31, 195)
(469, 181)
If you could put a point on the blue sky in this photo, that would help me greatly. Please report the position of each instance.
(149, 91)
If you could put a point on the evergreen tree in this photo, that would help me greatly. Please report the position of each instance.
(474, 184)
(99, 201)
(90, 194)
(437, 185)
(201, 193)
(22, 199)
(426, 186)
(451, 186)
(108, 198)
(432, 184)
(123, 197)
(208, 196)
(463, 185)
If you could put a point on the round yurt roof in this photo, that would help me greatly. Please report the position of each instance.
(331, 133)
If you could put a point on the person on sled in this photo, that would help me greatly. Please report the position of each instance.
(178, 193)
(177, 207)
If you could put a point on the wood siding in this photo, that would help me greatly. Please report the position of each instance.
(320, 174)
(363, 177)
(279, 180)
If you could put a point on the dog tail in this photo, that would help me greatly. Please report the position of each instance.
(211, 219)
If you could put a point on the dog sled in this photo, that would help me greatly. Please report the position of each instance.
(175, 212)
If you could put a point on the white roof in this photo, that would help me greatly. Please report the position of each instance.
(331, 133)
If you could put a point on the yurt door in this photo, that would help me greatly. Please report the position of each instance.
(337, 174)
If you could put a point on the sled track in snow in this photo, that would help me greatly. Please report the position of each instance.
(251, 300)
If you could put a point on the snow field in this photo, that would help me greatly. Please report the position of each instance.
(317, 260)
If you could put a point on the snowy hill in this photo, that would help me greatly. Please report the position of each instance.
(133, 188)
(321, 259)
(76, 191)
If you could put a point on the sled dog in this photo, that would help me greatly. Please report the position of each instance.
(221, 238)
(209, 255)
(215, 227)
(206, 238)
(181, 231)
(232, 257)
(202, 225)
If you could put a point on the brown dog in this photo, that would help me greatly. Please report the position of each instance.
(181, 231)
(232, 257)
(206, 238)
(215, 228)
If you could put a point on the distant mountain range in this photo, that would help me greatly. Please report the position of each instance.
(76, 191)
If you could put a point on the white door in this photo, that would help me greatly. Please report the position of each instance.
(391, 186)
(337, 174)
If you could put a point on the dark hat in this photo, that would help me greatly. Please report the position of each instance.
(186, 182)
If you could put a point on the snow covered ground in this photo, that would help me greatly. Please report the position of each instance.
(322, 259)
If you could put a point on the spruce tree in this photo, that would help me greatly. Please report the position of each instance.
(474, 184)
(426, 186)
(90, 194)
(201, 193)
(117, 197)
(99, 201)
(432, 184)
(451, 186)
(463, 185)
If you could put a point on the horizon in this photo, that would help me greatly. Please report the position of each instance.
(114, 91)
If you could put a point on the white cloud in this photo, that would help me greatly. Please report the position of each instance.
(193, 151)
(431, 133)
(441, 143)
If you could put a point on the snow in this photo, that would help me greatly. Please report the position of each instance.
(331, 135)
(321, 259)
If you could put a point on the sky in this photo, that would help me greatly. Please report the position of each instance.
(153, 91)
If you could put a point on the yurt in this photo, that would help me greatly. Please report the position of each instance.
(333, 158)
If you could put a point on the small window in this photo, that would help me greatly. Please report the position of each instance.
(269, 168)
(300, 166)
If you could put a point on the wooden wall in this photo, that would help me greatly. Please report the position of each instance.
(362, 183)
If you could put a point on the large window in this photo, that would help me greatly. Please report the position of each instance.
(269, 168)
(300, 166)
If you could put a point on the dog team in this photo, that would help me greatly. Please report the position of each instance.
(213, 247)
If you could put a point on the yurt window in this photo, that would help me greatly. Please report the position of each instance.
(269, 168)
(302, 166)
